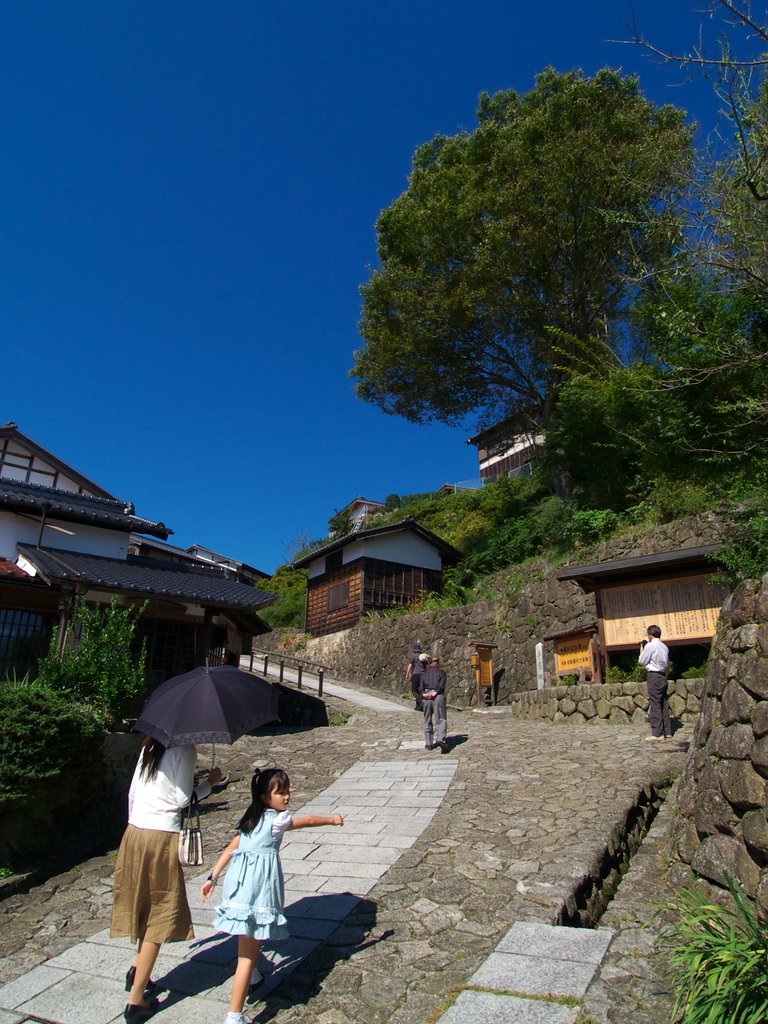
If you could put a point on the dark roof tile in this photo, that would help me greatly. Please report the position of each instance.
(79, 508)
(146, 576)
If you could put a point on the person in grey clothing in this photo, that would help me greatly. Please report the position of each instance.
(654, 655)
(432, 690)
(416, 666)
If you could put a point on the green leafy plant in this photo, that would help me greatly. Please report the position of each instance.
(100, 668)
(625, 674)
(44, 734)
(719, 960)
(12, 678)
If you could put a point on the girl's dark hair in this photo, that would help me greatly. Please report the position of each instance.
(152, 751)
(262, 784)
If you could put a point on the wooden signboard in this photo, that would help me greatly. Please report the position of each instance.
(572, 653)
(686, 608)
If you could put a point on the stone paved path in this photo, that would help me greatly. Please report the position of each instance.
(528, 810)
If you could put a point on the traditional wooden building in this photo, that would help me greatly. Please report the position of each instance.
(508, 449)
(372, 570)
(63, 536)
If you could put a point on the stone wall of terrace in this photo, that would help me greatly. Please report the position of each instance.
(722, 823)
(611, 702)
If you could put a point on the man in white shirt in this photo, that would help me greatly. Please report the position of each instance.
(655, 656)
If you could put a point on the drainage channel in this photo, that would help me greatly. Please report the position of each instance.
(592, 895)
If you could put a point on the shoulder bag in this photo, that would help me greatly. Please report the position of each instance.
(191, 838)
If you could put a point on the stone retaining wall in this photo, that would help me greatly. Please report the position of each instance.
(611, 702)
(376, 651)
(722, 823)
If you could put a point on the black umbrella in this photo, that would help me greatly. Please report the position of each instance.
(208, 705)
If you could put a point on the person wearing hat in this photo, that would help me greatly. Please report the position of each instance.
(432, 683)
(416, 666)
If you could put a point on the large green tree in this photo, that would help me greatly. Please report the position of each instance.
(536, 228)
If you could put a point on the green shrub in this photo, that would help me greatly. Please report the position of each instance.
(625, 673)
(44, 734)
(287, 611)
(101, 669)
(719, 960)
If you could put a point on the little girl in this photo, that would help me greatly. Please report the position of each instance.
(252, 903)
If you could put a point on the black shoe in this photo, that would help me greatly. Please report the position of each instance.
(430, 746)
(152, 986)
(135, 1014)
(443, 746)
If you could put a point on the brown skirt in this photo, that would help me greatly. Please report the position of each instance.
(150, 900)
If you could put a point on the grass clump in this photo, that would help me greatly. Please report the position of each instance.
(719, 960)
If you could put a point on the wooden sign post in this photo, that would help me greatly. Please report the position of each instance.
(577, 652)
(482, 659)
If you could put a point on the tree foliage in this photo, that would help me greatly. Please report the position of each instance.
(534, 228)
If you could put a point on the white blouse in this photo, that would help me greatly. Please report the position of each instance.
(157, 803)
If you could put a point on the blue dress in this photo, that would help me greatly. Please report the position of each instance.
(253, 895)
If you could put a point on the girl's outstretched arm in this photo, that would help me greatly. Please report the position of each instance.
(315, 821)
(218, 867)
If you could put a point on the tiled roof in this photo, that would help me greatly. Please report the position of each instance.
(207, 586)
(409, 524)
(9, 568)
(77, 508)
(159, 545)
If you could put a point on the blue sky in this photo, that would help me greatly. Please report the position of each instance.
(188, 193)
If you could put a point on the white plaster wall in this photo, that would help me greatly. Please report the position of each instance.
(404, 547)
(94, 540)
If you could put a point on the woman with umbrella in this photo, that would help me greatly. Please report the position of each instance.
(150, 898)
(206, 705)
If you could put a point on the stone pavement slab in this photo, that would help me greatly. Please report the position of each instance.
(32, 984)
(533, 975)
(489, 1008)
(73, 1001)
(581, 944)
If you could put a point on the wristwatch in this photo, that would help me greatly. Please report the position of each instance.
(213, 880)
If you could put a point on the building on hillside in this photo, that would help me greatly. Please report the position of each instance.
(506, 449)
(67, 537)
(361, 511)
(372, 570)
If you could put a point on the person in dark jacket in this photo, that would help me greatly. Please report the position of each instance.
(416, 666)
(432, 689)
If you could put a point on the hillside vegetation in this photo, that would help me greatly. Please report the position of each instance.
(517, 519)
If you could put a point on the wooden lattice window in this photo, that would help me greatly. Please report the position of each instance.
(338, 596)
